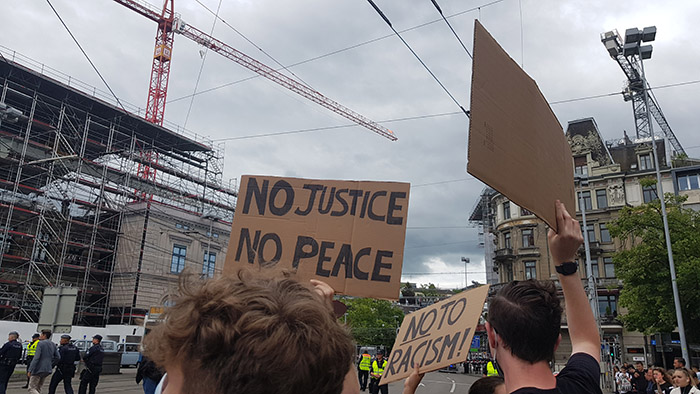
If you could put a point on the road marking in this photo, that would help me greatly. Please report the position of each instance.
(452, 390)
(421, 384)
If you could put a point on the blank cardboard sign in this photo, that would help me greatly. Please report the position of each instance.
(436, 336)
(349, 234)
(516, 144)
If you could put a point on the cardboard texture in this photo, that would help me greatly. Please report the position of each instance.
(349, 234)
(516, 144)
(436, 336)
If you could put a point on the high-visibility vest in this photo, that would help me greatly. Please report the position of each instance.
(377, 369)
(31, 349)
(365, 362)
(491, 369)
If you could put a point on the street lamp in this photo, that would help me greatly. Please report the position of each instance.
(592, 293)
(632, 47)
(466, 261)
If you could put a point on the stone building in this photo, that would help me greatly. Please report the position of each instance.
(610, 174)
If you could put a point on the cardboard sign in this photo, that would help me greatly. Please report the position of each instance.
(349, 234)
(436, 336)
(516, 144)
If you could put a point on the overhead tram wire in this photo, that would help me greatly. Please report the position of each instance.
(379, 11)
(345, 49)
(201, 66)
(86, 56)
(283, 67)
(453, 30)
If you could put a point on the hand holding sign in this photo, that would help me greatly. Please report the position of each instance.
(436, 336)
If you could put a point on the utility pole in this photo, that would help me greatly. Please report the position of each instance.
(466, 261)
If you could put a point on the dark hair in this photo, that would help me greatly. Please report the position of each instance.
(46, 333)
(680, 360)
(254, 334)
(527, 317)
(666, 375)
(486, 385)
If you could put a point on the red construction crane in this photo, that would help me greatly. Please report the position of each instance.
(169, 23)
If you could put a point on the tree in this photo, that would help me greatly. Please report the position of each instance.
(644, 270)
(373, 322)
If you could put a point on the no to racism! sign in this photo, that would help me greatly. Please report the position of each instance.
(436, 336)
(349, 234)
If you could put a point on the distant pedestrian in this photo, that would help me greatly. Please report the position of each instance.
(376, 373)
(662, 381)
(31, 350)
(363, 368)
(151, 375)
(65, 368)
(90, 376)
(10, 353)
(45, 358)
(678, 362)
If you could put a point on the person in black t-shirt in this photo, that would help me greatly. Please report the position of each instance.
(524, 324)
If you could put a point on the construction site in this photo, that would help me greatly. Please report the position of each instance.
(84, 180)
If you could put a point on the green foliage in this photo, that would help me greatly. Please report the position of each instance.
(643, 266)
(429, 290)
(373, 322)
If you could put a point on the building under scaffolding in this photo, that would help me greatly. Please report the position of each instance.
(79, 178)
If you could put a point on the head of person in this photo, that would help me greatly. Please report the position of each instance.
(649, 375)
(380, 355)
(678, 362)
(45, 334)
(695, 368)
(639, 366)
(65, 339)
(661, 376)
(97, 339)
(681, 377)
(252, 333)
(12, 336)
(616, 369)
(488, 385)
(35, 337)
(524, 320)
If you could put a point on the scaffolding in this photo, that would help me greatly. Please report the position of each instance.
(72, 161)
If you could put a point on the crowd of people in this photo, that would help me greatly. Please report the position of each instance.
(43, 358)
(635, 379)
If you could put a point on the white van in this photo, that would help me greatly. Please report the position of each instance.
(130, 354)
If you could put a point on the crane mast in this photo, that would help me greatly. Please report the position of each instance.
(170, 23)
(634, 91)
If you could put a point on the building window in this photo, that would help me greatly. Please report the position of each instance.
(649, 193)
(607, 305)
(508, 272)
(580, 166)
(591, 232)
(530, 270)
(528, 238)
(645, 162)
(506, 210)
(594, 268)
(177, 263)
(525, 212)
(209, 265)
(506, 239)
(689, 182)
(604, 233)
(601, 197)
(212, 235)
(181, 226)
(609, 267)
(587, 201)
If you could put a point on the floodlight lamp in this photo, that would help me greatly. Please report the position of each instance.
(645, 51)
(632, 35)
(649, 34)
(630, 49)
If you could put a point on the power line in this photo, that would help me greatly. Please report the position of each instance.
(376, 8)
(346, 48)
(86, 55)
(450, 26)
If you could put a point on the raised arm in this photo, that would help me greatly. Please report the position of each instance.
(579, 316)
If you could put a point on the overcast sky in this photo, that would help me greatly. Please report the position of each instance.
(557, 42)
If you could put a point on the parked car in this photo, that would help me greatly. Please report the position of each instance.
(130, 353)
(84, 344)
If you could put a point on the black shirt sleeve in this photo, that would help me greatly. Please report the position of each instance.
(581, 375)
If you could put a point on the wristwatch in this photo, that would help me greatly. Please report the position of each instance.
(567, 268)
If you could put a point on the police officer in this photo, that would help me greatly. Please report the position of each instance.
(376, 373)
(490, 369)
(93, 366)
(31, 351)
(363, 368)
(10, 353)
(65, 368)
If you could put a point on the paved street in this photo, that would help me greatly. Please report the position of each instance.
(433, 383)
